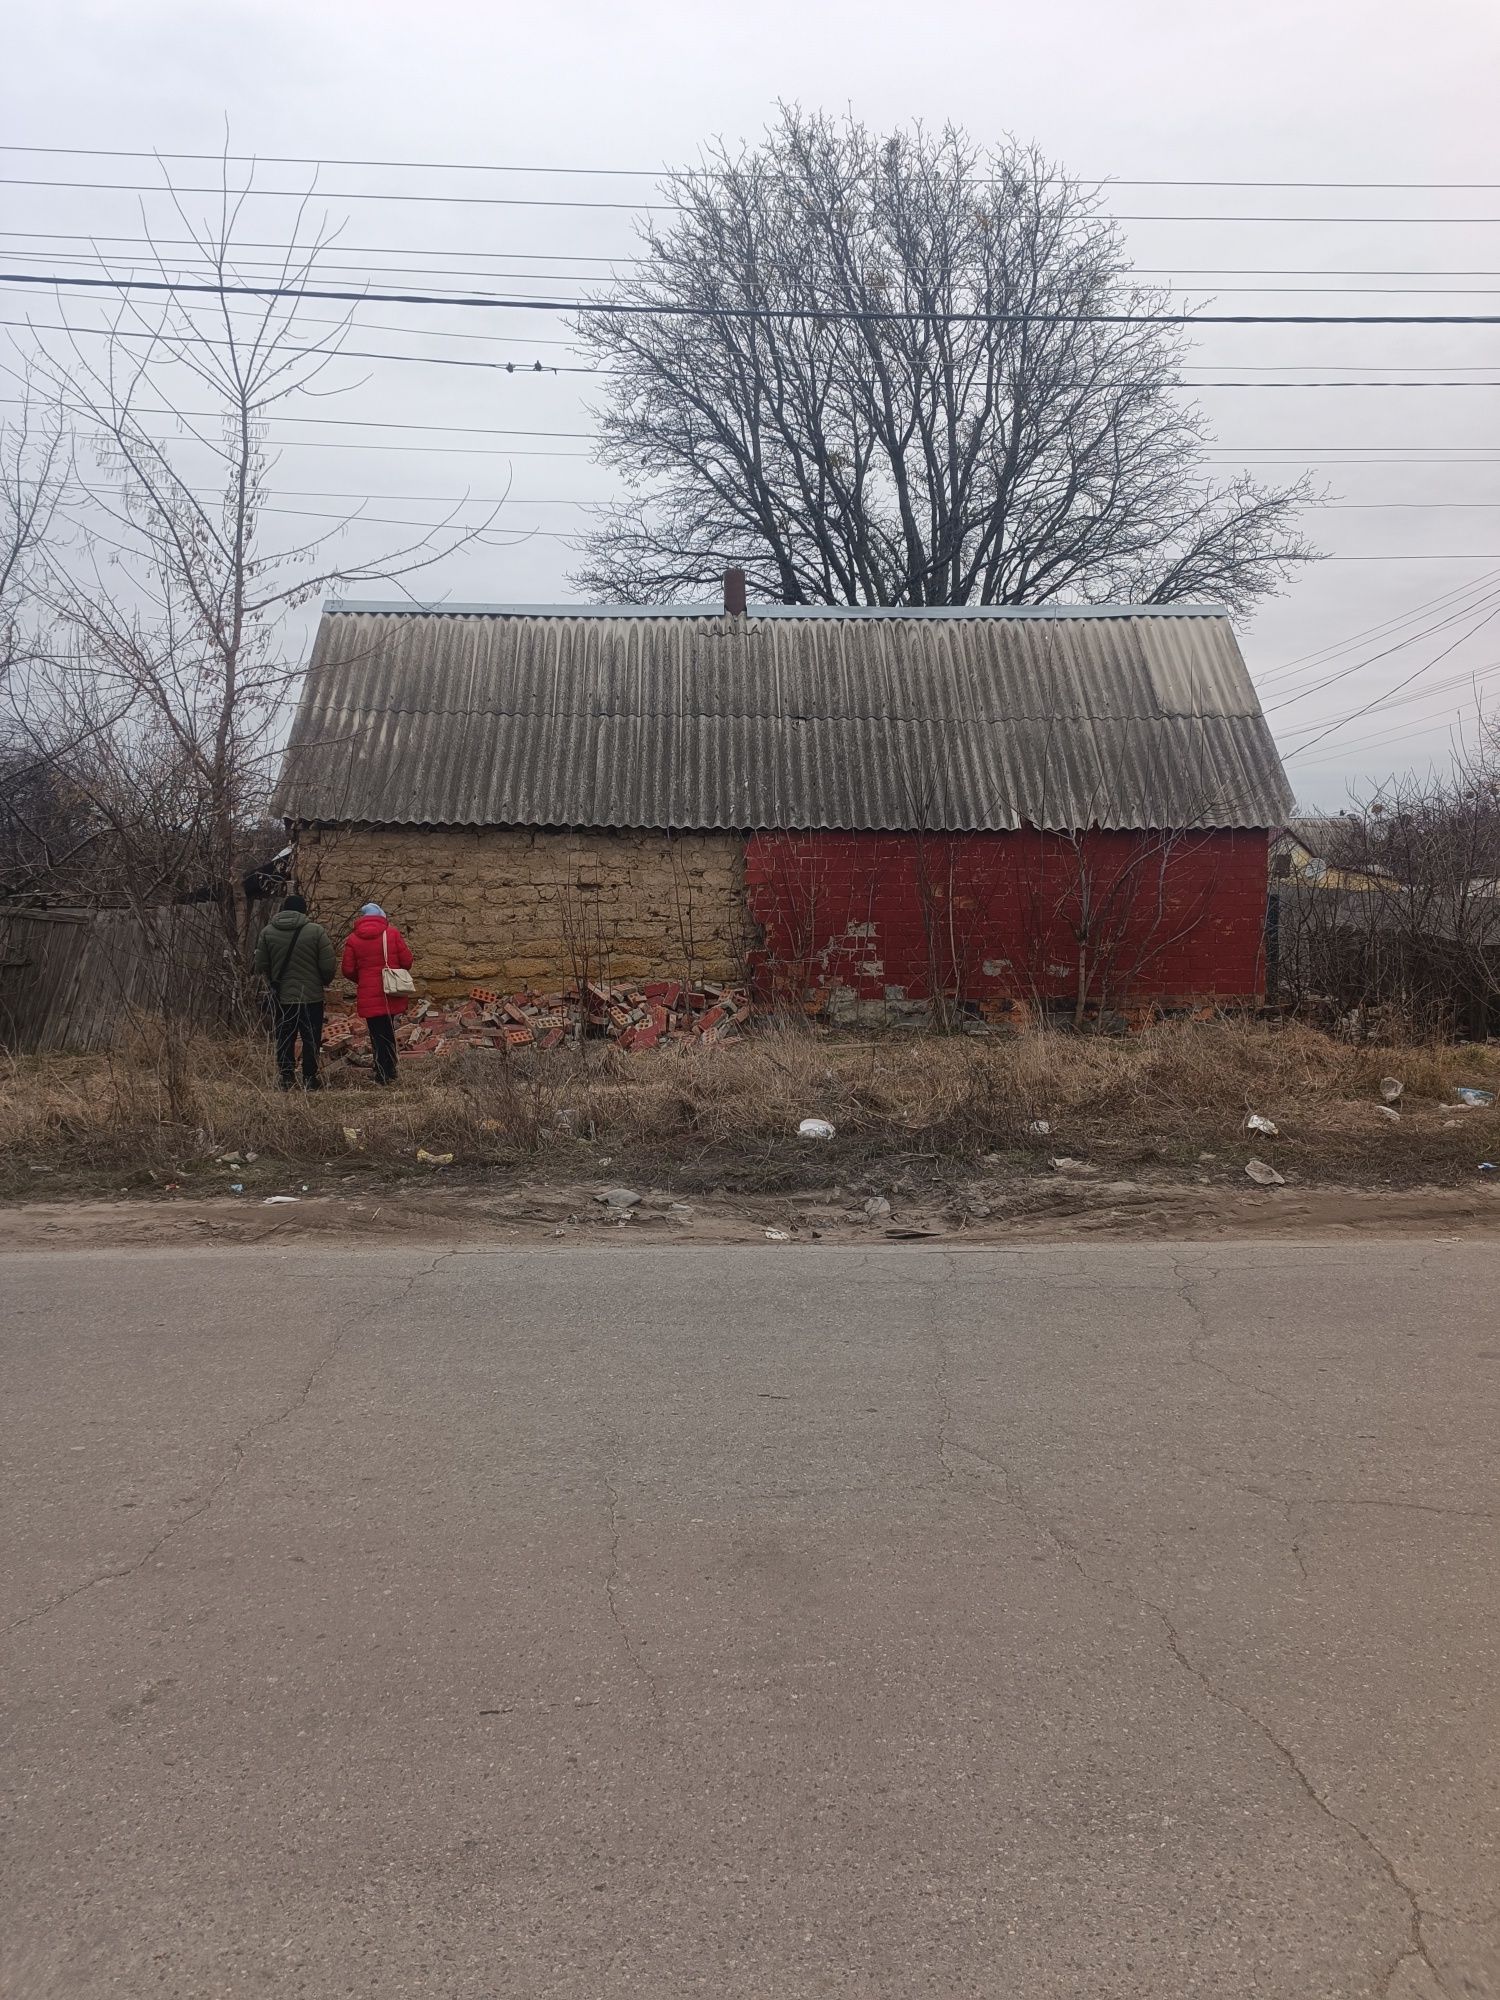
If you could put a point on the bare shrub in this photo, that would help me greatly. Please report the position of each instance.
(1402, 936)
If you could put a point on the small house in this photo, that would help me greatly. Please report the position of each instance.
(860, 811)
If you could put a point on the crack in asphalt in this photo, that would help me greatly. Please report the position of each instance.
(1073, 1553)
(239, 1446)
(1183, 1286)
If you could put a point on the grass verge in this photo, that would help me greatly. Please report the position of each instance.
(926, 1107)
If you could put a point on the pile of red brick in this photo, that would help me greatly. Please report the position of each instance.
(637, 1017)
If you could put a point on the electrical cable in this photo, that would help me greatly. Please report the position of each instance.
(658, 173)
(818, 314)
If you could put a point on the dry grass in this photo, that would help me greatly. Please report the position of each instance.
(728, 1116)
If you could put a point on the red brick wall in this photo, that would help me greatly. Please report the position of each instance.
(859, 918)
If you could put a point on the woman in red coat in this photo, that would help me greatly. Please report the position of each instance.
(372, 945)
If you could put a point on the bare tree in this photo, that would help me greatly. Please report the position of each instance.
(32, 451)
(161, 692)
(908, 371)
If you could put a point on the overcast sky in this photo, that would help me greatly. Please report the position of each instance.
(1140, 92)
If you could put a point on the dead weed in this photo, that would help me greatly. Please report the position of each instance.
(730, 1113)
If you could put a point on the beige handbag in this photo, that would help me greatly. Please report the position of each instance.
(393, 978)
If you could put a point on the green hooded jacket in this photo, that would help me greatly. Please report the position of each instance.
(296, 955)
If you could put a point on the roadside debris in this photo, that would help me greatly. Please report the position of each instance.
(1255, 1123)
(779, 1235)
(1471, 1095)
(663, 1011)
(877, 1208)
(1391, 1088)
(1389, 1111)
(1262, 1175)
(815, 1128)
(434, 1159)
(1486, 1166)
(1039, 1128)
(236, 1187)
(275, 1200)
(1071, 1169)
(619, 1198)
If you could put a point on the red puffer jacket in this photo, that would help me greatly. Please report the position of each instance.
(365, 959)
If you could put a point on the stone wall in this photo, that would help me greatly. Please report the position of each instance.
(511, 907)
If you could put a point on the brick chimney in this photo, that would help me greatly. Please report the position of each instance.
(734, 593)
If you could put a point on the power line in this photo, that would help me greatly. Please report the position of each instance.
(349, 423)
(1221, 454)
(417, 264)
(1450, 617)
(1301, 749)
(420, 251)
(657, 208)
(1377, 631)
(1421, 725)
(361, 194)
(659, 173)
(633, 309)
(585, 368)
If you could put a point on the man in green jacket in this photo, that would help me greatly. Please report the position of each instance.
(295, 955)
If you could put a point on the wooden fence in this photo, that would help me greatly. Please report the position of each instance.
(81, 979)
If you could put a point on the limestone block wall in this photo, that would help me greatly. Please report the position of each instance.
(511, 907)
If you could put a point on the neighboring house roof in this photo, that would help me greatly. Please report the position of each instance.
(1324, 837)
(682, 717)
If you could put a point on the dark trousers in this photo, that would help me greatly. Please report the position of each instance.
(382, 1029)
(294, 1024)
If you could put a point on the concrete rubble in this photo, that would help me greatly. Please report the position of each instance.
(660, 1013)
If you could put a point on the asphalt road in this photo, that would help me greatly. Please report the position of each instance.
(1102, 1620)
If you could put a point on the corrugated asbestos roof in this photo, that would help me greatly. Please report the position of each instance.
(684, 718)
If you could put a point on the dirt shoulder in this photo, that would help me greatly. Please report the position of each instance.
(563, 1215)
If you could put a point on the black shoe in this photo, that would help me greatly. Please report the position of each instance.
(286, 1083)
(312, 1083)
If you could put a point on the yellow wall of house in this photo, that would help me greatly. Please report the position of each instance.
(1305, 869)
(509, 907)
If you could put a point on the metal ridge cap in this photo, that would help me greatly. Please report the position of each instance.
(1020, 613)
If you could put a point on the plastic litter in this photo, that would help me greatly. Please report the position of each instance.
(1255, 1123)
(434, 1159)
(272, 1200)
(619, 1197)
(1039, 1128)
(876, 1207)
(1389, 1111)
(1486, 1166)
(236, 1187)
(1473, 1096)
(1074, 1169)
(1391, 1088)
(815, 1128)
(351, 1136)
(1262, 1175)
(779, 1235)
